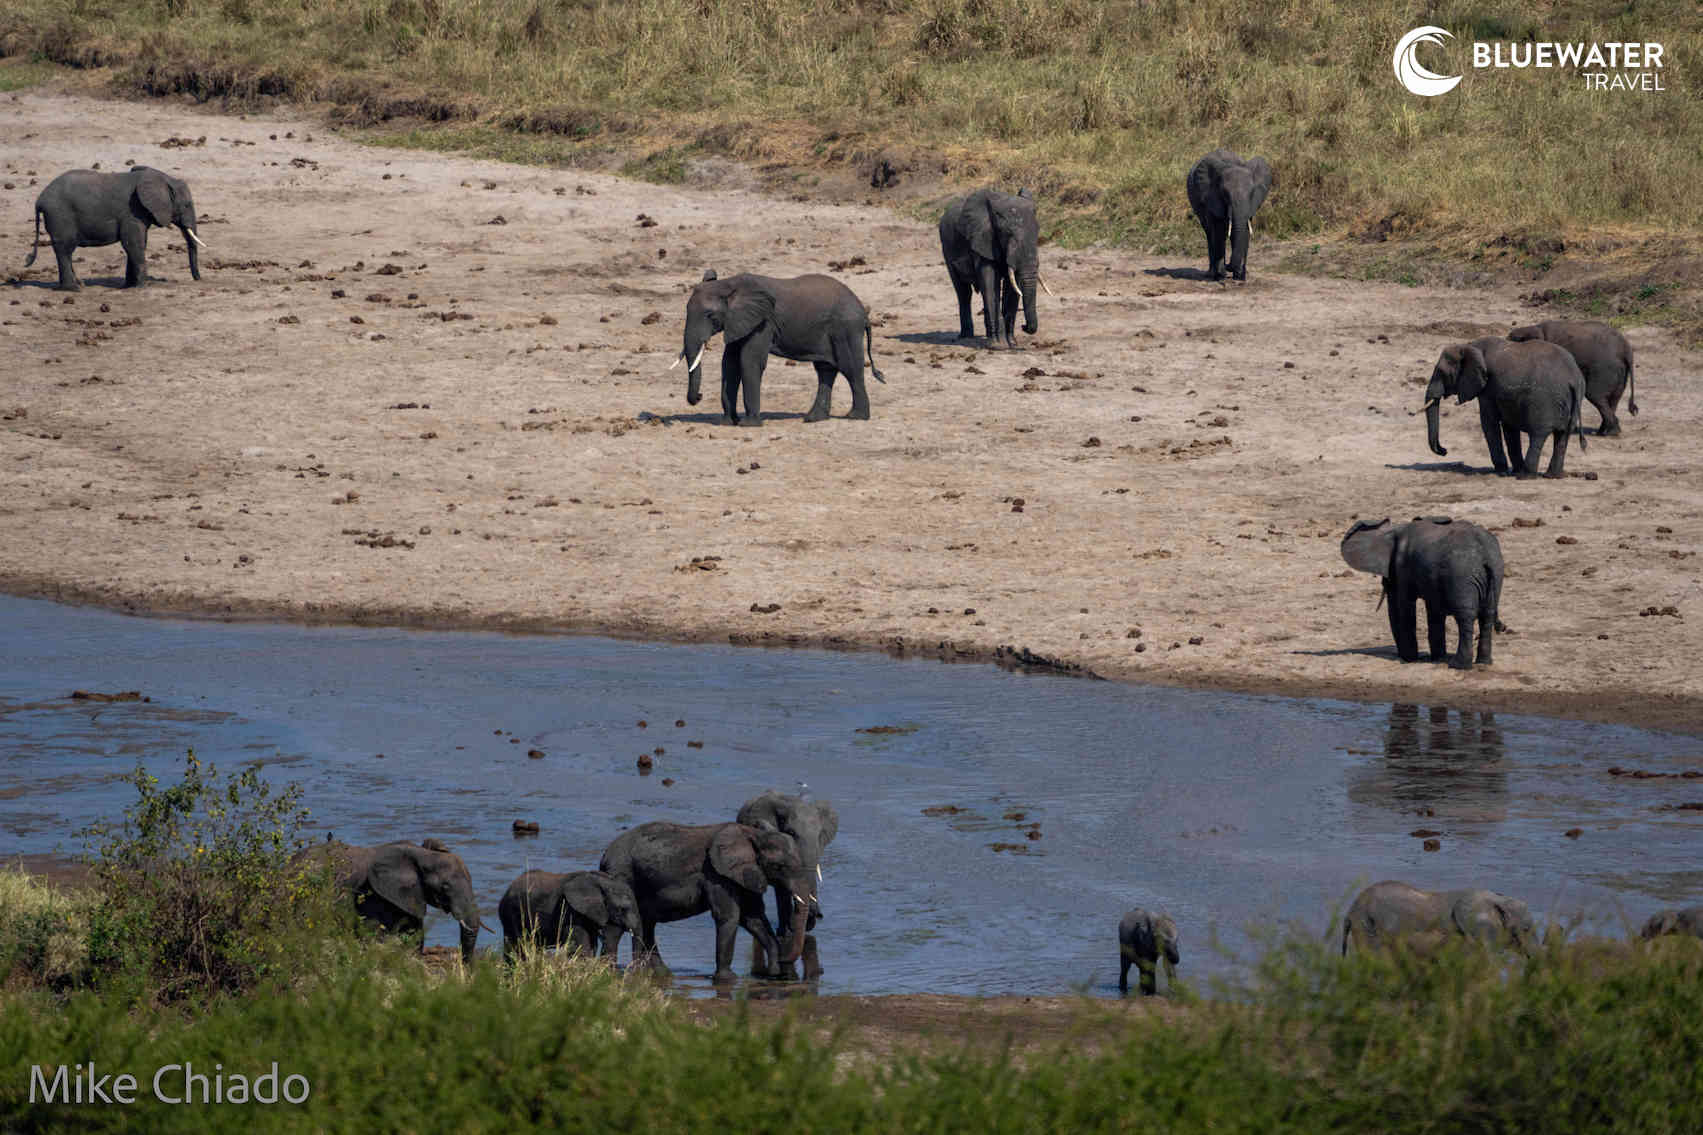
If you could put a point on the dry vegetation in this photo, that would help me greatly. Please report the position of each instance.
(1098, 106)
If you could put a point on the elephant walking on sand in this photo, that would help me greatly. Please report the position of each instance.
(1533, 388)
(1391, 912)
(85, 208)
(392, 884)
(677, 871)
(1454, 565)
(1143, 938)
(1225, 192)
(1604, 357)
(580, 910)
(985, 238)
(810, 319)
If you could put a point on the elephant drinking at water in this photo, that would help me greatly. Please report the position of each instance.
(1143, 938)
(985, 238)
(1534, 388)
(812, 824)
(85, 208)
(392, 884)
(1454, 565)
(811, 319)
(677, 871)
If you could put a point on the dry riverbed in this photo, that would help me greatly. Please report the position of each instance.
(427, 390)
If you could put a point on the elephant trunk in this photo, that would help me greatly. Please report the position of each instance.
(1434, 418)
(694, 356)
(1241, 225)
(193, 243)
(466, 913)
(1026, 278)
(800, 915)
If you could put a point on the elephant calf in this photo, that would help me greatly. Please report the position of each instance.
(1142, 939)
(85, 208)
(392, 884)
(1454, 565)
(1390, 912)
(1687, 921)
(579, 909)
(1604, 357)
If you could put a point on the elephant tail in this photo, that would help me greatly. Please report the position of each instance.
(869, 345)
(1577, 422)
(1631, 388)
(36, 241)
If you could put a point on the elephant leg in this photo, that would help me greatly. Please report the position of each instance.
(1511, 436)
(989, 288)
(1008, 304)
(860, 396)
(610, 946)
(1216, 233)
(1149, 978)
(1437, 629)
(964, 288)
(825, 373)
(1404, 625)
(68, 281)
(1557, 455)
(729, 387)
(1491, 424)
(580, 940)
(135, 242)
(645, 950)
(1123, 975)
(1462, 658)
(753, 358)
(1606, 406)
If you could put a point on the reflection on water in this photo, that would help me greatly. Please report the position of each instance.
(990, 849)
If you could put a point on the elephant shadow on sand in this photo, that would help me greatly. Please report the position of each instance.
(1200, 274)
(1439, 767)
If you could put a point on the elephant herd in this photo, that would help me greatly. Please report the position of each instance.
(655, 872)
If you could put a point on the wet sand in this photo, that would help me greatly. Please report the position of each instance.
(431, 391)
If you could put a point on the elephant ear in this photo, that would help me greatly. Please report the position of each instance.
(1527, 333)
(395, 878)
(153, 193)
(1474, 374)
(1262, 183)
(976, 224)
(747, 309)
(829, 820)
(1368, 547)
(709, 274)
(732, 855)
(588, 899)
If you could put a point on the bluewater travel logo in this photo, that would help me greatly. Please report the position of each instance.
(1615, 66)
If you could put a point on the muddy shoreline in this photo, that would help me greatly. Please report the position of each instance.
(430, 391)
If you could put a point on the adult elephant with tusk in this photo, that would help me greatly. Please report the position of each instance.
(677, 871)
(985, 238)
(1534, 388)
(1225, 192)
(85, 208)
(812, 824)
(393, 883)
(809, 319)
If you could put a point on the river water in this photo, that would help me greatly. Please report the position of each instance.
(1231, 812)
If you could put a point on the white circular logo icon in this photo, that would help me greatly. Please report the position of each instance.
(1415, 77)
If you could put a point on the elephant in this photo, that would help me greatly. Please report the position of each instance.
(1604, 357)
(985, 238)
(579, 909)
(677, 871)
(85, 208)
(1225, 192)
(1533, 388)
(1142, 938)
(393, 882)
(1687, 921)
(811, 319)
(811, 823)
(1388, 912)
(1454, 565)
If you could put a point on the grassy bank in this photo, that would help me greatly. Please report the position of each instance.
(157, 964)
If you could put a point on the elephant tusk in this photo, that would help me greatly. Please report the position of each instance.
(1432, 402)
(797, 900)
(1043, 282)
(818, 872)
(195, 238)
(678, 359)
(696, 359)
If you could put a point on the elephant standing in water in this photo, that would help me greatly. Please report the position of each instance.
(810, 319)
(85, 208)
(1388, 912)
(1533, 388)
(1604, 357)
(1142, 939)
(1687, 921)
(392, 884)
(812, 824)
(1225, 192)
(580, 909)
(677, 871)
(985, 238)
(1454, 565)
